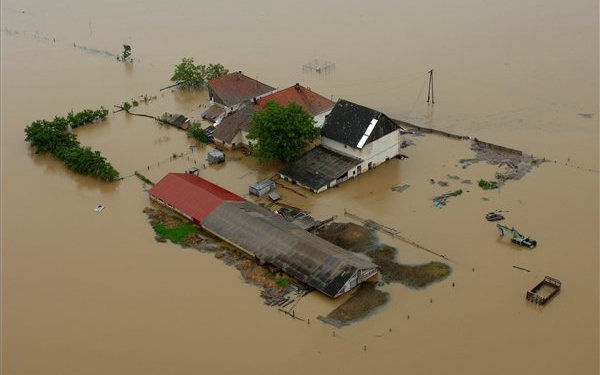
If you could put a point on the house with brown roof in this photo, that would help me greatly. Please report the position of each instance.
(317, 106)
(354, 140)
(236, 90)
(232, 131)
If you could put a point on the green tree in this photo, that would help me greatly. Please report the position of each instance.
(195, 131)
(54, 137)
(49, 136)
(126, 51)
(125, 55)
(189, 75)
(214, 71)
(281, 133)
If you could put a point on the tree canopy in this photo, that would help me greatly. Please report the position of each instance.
(281, 133)
(54, 137)
(190, 75)
(195, 131)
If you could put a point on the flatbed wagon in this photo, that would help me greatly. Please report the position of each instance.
(544, 291)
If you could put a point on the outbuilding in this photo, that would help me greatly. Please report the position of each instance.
(263, 235)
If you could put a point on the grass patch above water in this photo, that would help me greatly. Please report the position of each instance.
(176, 234)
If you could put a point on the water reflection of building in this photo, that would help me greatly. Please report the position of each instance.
(262, 234)
(354, 139)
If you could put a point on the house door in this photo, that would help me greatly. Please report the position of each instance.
(358, 169)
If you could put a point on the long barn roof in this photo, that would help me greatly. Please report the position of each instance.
(191, 194)
(312, 260)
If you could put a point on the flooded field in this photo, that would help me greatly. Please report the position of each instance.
(86, 292)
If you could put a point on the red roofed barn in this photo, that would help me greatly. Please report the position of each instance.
(190, 195)
(262, 234)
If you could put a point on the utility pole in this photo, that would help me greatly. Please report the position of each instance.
(430, 89)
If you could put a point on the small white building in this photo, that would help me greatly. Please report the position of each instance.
(354, 139)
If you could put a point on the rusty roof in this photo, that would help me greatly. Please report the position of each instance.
(232, 124)
(310, 259)
(235, 88)
(190, 194)
(312, 102)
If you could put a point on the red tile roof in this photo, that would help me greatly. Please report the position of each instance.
(192, 195)
(236, 88)
(312, 102)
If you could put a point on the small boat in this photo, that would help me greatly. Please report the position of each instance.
(99, 208)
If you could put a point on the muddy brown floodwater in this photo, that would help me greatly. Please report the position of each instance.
(87, 292)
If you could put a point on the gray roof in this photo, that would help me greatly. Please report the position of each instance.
(318, 167)
(302, 255)
(231, 125)
(348, 123)
(213, 112)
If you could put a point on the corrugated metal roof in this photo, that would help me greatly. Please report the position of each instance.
(312, 260)
(348, 123)
(191, 194)
(235, 88)
(318, 167)
(312, 102)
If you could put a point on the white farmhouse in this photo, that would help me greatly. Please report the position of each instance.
(354, 139)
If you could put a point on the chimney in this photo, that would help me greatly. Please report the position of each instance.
(297, 85)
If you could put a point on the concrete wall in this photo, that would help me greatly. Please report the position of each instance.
(320, 118)
(373, 153)
(235, 142)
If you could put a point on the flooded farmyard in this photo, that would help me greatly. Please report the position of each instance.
(93, 292)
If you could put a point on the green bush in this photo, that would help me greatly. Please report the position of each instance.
(488, 185)
(54, 137)
(195, 131)
(282, 283)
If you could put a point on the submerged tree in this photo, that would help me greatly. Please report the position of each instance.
(55, 138)
(282, 133)
(195, 131)
(189, 75)
(125, 56)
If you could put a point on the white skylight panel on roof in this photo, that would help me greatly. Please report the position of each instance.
(364, 138)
